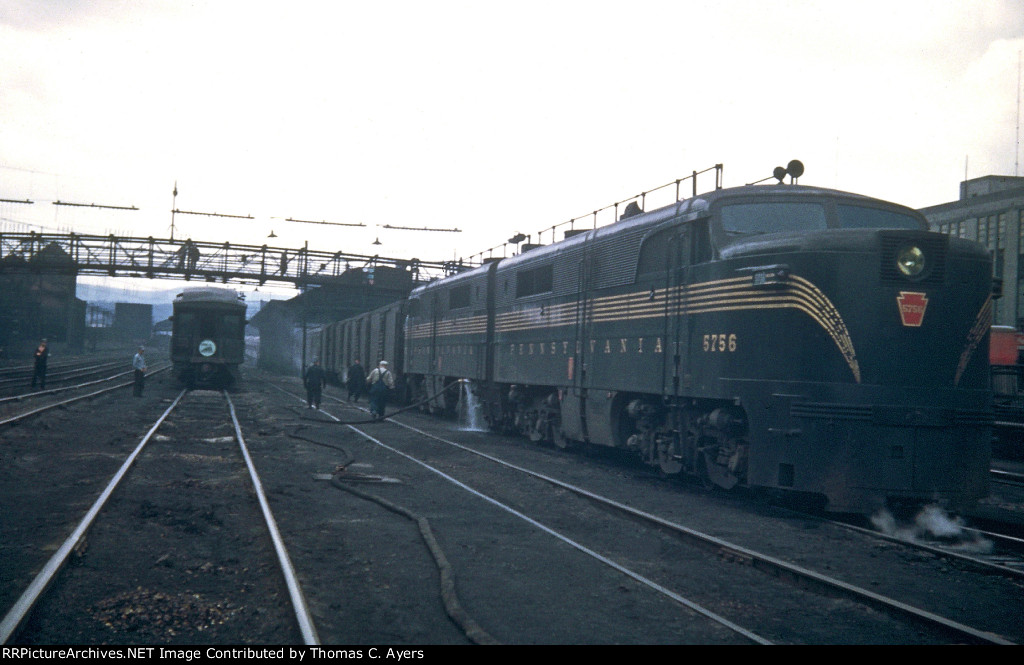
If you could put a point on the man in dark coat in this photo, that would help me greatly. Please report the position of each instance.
(42, 352)
(315, 380)
(356, 381)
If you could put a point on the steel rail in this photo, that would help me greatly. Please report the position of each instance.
(699, 609)
(65, 363)
(64, 373)
(758, 559)
(21, 373)
(52, 391)
(26, 414)
(31, 595)
(309, 634)
(941, 551)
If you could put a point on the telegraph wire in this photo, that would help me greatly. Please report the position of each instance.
(307, 221)
(210, 214)
(93, 205)
(417, 228)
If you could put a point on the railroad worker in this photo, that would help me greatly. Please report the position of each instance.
(356, 381)
(42, 353)
(315, 379)
(193, 255)
(139, 365)
(380, 383)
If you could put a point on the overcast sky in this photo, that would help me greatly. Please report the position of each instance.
(492, 118)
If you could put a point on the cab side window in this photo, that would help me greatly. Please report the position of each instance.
(458, 297)
(665, 250)
(534, 281)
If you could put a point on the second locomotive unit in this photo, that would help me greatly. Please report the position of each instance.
(208, 337)
(784, 337)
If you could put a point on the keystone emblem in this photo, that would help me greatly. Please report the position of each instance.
(912, 306)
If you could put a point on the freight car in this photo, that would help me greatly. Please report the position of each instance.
(369, 338)
(208, 337)
(783, 337)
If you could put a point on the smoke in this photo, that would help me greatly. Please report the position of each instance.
(933, 525)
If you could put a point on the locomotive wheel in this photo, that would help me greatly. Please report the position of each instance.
(562, 442)
(702, 472)
(669, 458)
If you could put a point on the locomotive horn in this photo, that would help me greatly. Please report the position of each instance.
(779, 173)
(795, 168)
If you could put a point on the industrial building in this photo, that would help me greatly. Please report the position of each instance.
(37, 300)
(990, 211)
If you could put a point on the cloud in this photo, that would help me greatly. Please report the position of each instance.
(491, 118)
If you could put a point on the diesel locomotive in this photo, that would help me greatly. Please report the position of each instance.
(785, 337)
(208, 337)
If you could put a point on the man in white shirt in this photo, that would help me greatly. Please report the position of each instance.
(381, 381)
(139, 365)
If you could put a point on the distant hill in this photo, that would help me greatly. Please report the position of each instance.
(161, 299)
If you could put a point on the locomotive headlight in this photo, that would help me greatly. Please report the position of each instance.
(910, 261)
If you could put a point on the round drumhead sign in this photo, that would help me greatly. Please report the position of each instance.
(207, 348)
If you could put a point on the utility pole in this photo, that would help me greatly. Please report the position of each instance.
(174, 207)
(305, 320)
(305, 305)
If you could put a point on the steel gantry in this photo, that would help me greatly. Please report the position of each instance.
(187, 259)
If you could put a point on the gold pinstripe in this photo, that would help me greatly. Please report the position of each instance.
(982, 323)
(725, 295)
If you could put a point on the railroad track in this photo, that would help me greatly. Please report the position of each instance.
(19, 376)
(52, 399)
(217, 481)
(810, 587)
(21, 384)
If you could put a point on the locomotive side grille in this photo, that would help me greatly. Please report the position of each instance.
(892, 415)
(617, 260)
(934, 246)
(822, 410)
(972, 418)
(1009, 410)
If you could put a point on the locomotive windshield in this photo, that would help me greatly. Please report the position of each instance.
(754, 218)
(859, 217)
(782, 216)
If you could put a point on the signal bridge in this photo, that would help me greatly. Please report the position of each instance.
(154, 258)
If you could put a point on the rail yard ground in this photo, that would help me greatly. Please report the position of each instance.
(179, 556)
